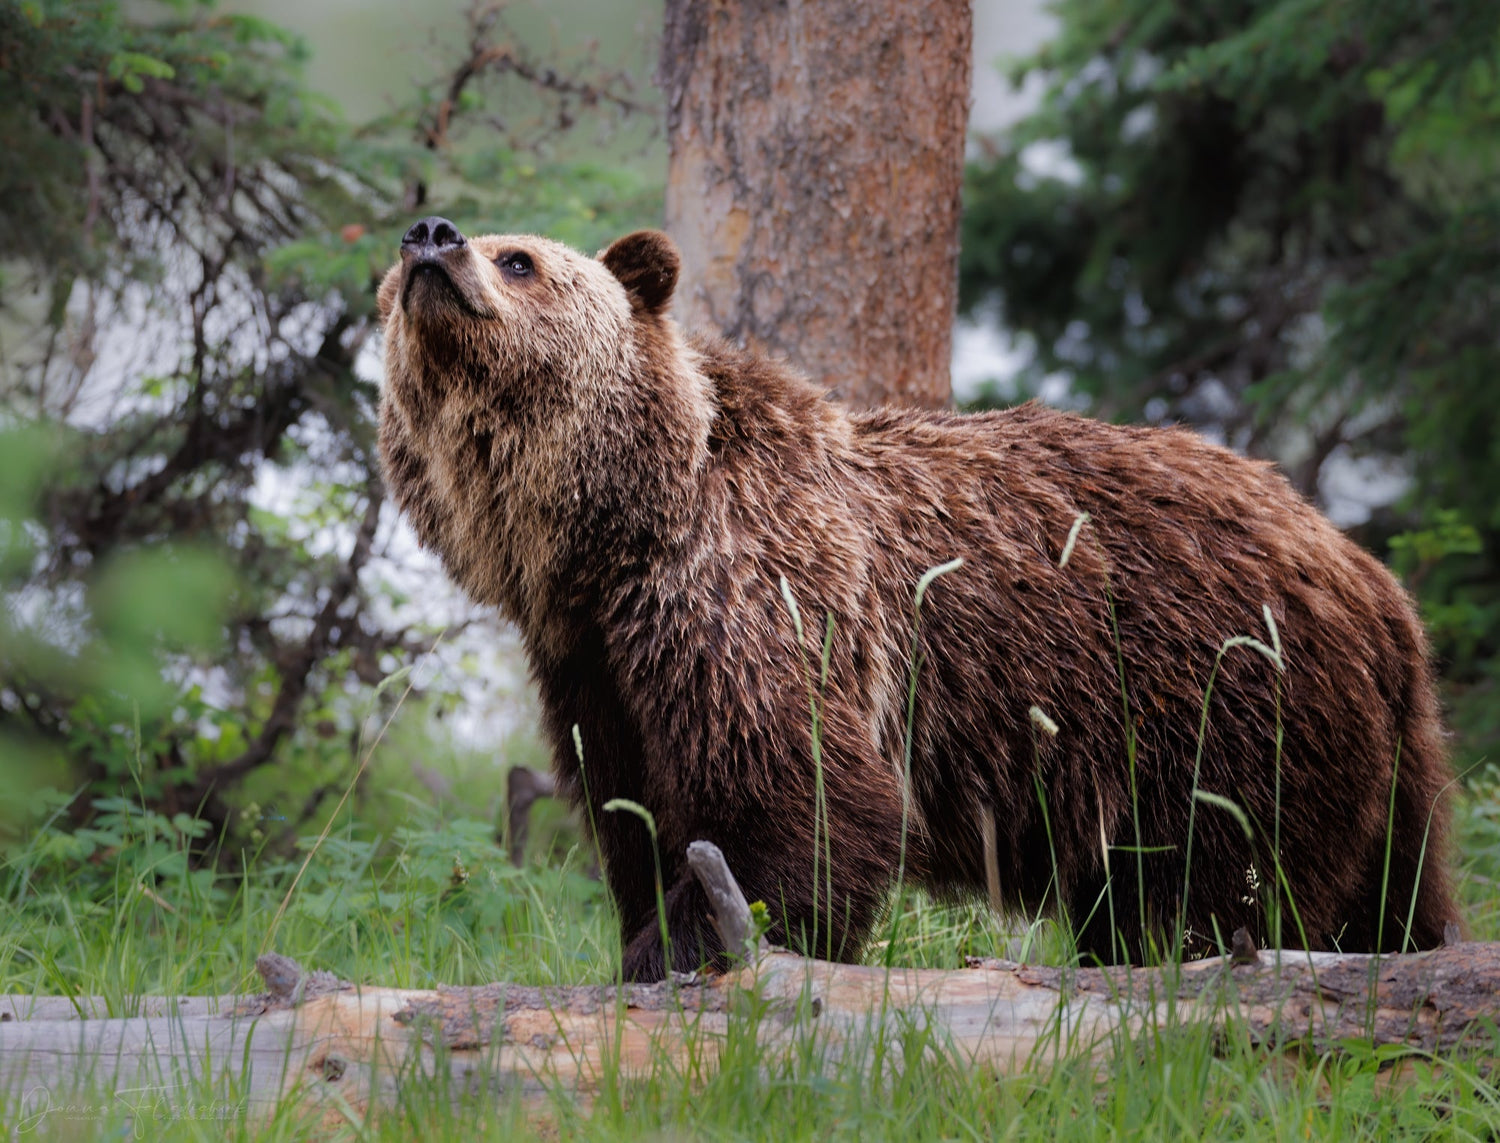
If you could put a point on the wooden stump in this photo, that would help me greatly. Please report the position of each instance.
(523, 786)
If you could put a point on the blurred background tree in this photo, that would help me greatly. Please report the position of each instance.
(191, 520)
(794, 192)
(1278, 220)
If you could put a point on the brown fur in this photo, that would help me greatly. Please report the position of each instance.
(633, 500)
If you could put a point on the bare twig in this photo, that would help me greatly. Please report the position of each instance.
(299, 664)
(489, 57)
(732, 915)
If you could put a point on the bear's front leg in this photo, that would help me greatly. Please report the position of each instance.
(694, 939)
(781, 870)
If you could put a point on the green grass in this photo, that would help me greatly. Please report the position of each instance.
(118, 911)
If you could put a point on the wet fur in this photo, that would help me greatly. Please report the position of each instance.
(632, 499)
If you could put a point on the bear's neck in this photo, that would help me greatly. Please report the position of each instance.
(600, 491)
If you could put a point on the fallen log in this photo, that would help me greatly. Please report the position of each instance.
(347, 1048)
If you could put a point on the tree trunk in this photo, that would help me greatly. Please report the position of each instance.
(816, 163)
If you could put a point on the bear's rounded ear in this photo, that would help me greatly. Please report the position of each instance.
(646, 264)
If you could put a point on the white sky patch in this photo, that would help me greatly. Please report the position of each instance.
(1005, 30)
(1050, 159)
(984, 351)
(1139, 122)
(1353, 487)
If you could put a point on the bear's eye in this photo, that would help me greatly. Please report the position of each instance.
(515, 265)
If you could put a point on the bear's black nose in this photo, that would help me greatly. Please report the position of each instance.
(431, 235)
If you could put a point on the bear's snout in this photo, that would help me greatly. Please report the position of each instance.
(435, 262)
(431, 237)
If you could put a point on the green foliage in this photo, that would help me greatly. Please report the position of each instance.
(121, 907)
(1279, 219)
(190, 511)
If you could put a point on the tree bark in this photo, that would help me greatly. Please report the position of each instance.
(813, 187)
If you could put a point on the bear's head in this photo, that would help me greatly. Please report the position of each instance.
(541, 414)
(500, 314)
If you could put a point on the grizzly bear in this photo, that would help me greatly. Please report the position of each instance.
(714, 567)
